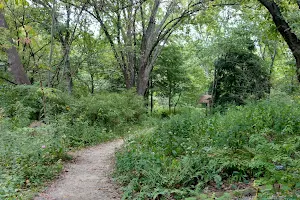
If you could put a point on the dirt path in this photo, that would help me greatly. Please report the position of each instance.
(88, 177)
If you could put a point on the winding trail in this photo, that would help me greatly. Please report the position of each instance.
(87, 177)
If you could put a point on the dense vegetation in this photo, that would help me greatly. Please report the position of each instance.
(247, 151)
(78, 73)
(33, 152)
(239, 76)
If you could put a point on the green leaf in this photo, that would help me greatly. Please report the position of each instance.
(191, 198)
(285, 188)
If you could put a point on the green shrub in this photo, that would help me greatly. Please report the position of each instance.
(28, 157)
(80, 133)
(32, 101)
(31, 156)
(257, 144)
(109, 110)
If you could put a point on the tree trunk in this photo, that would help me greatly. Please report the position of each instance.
(129, 78)
(136, 61)
(272, 69)
(170, 97)
(93, 84)
(69, 77)
(142, 83)
(214, 88)
(151, 95)
(143, 76)
(177, 102)
(67, 49)
(52, 44)
(146, 97)
(285, 30)
(67, 74)
(15, 65)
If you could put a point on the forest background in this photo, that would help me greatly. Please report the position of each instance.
(77, 73)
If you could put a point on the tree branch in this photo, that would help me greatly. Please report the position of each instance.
(3, 78)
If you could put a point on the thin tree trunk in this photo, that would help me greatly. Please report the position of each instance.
(92, 82)
(170, 97)
(146, 97)
(52, 42)
(271, 69)
(214, 88)
(273, 61)
(177, 102)
(15, 65)
(67, 50)
(68, 73)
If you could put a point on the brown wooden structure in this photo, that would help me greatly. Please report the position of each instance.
(207, 99)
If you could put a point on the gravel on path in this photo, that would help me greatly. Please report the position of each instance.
(88, 177)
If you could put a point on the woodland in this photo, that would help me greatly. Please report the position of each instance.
(76, 73)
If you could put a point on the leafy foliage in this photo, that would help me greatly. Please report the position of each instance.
(31, 98)
(31, 151)
(190, 154)
(170, 77)
(108, 109)
(29, 156)
(239, 75)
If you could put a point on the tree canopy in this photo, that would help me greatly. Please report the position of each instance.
(76, 73)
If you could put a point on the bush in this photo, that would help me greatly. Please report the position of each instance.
(30, 156)
(33, 101)
(239, 75)
(258, 144)
(109, 110)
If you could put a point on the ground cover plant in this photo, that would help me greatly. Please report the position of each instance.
(34, 144)
(77, 73)
(251, 150)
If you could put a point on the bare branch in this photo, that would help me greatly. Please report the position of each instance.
(7, 80)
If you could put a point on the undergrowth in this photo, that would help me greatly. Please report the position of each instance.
(38, 128)
(222, 156)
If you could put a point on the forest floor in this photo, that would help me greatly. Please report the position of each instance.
(87, 177)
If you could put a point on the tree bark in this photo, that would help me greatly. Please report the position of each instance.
(52, 43)
(136, 62)
(92, 83)
(143, 78)
(170, 97)
(147, 45)
(67, 68)
(15, 65)
(285, 30)
(65, 36)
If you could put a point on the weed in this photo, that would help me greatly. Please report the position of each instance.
(257, 144)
